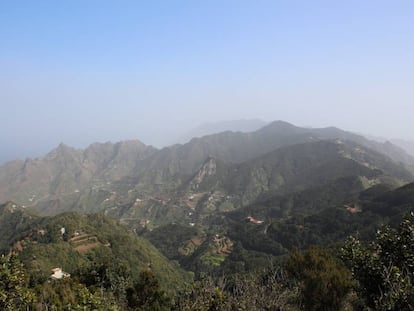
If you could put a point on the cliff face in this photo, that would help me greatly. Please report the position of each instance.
(209, 168)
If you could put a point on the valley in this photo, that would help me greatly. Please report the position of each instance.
(206, 155)
(223, 204)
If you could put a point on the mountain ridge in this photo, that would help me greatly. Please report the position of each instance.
(109, 176)
(236, 196)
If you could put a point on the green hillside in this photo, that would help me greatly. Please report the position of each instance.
(72, 241)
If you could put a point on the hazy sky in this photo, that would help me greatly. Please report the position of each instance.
(84, 71)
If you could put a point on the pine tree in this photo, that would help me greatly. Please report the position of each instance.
(14, 293)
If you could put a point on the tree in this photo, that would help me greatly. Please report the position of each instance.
(265, 291)
(14, 293)
(203, 295)
(68, 294)
(147, 295)
(106, 276)
(384, 268)
(325, 282)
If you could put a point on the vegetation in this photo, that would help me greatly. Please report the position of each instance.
(86, 245)
(384, 268)
(147, 295)
(239, 222)
(14, 293)
(325, 282)
(380, 277)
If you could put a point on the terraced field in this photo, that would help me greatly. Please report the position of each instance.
(85, 242)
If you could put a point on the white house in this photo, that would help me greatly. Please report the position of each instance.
(59, 274)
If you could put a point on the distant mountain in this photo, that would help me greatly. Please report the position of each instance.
(306, 165)
(245, 126)
(408, 146)
(139, 183)
(165, 196)
(173, 166)
(66, 170)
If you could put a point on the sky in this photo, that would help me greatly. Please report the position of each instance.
(81, 71)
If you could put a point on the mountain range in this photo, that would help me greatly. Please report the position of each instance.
(408, 146)
(68, 178)
(223, 199)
